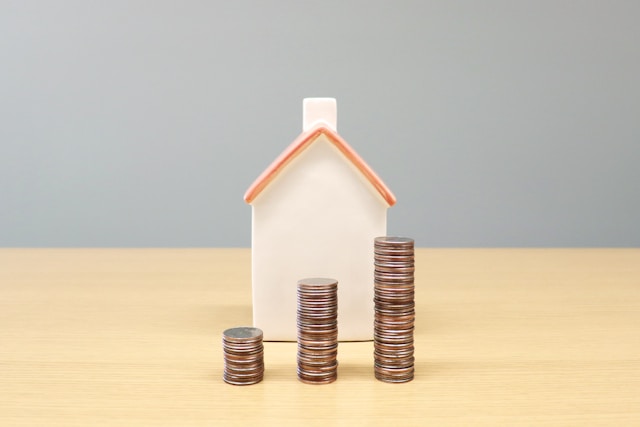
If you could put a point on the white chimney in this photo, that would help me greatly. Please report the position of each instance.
(319, 111)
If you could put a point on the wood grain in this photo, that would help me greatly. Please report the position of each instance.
(132, 337)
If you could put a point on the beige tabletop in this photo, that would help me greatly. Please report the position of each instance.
(130, 337)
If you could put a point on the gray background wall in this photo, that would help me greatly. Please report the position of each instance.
(496, 123)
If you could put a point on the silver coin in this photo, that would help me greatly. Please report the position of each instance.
(242, 333)
(317, 281)
(393, 241)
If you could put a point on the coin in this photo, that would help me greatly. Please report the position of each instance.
(394, 309)
(243, 354)
(317, 321)
(242, 334)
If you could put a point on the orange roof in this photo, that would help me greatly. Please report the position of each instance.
(298, 146)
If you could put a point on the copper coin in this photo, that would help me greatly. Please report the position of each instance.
(243, 354)
(394, 309)
(317, 321)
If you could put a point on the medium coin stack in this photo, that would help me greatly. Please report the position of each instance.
(243, 355)
(317, 330)
(394, 309)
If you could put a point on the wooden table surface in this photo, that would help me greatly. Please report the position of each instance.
(130, 337)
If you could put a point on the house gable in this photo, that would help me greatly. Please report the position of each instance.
(300, 145)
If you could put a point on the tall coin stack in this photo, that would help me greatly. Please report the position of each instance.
(394, 309)
(317, 330)
(243, 356)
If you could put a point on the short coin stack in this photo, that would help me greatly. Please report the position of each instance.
(394, 309)
(243, 355)
(317, 330)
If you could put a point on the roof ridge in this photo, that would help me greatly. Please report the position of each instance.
(299, 145)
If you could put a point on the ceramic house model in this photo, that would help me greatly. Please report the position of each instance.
(316, 210)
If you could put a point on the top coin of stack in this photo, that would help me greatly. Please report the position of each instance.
(243, 355)
(394, 309)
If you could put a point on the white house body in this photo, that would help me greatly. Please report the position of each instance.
(316, 211)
